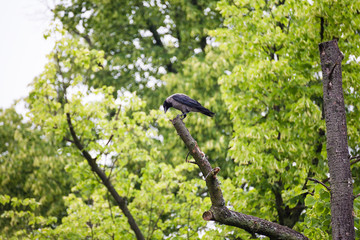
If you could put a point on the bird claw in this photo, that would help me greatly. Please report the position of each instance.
(182, 116)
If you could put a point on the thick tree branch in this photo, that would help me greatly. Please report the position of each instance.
(105, 180)
(218, 211)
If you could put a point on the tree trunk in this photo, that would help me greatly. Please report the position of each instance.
(342, 220)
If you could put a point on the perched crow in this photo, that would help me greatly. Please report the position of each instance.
(185, 105)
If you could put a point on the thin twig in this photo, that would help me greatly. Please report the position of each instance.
(188, 222)
(110, 208)
(112, 135)
(112, 167)
(355, 160)
(156, 222)
(150, 217)
(193, 162)
(96, 177)
(68, 140)
(356, 196)
(317, 181)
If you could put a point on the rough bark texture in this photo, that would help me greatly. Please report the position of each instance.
(218, 211)
(342, 220)
(105, 180)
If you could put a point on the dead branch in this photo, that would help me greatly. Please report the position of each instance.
(218, 211)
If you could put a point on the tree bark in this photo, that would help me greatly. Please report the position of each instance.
(342, 220)
(218, 211)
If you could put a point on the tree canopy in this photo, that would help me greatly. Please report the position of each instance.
(96, 128)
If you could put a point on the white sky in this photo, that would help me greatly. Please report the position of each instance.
(22, 46)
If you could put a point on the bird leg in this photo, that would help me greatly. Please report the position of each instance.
(183, 116)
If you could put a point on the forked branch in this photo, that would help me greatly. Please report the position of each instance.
(218, 211)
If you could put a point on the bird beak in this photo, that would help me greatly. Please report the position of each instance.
(165, 109)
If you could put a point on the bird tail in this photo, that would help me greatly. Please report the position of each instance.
(207, 112)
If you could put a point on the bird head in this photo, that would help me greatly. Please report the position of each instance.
(166, 106)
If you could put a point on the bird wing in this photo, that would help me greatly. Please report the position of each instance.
(181, 98)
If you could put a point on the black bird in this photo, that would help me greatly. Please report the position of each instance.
(185, 104)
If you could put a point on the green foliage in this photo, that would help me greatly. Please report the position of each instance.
(22, 217)
(318, 218)
(141, 40)
(30, 167)
(113, 65)
(274, 95)
(116, 132)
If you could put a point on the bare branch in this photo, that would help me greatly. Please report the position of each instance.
(105, 180)
(116, 118)
(150, 216)
(354, 157)
(354, 160)
(218, 211)
(110, 208)
(156, 223)
(112, 135)
(317, 181)
(112, 167)
(356, 196)
(68, 140)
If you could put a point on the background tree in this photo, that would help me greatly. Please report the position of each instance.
(31, 167)
(155, 38)
(141, 40)
(274, 96)
(157, 48)
(119, 145)
(263, 81)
